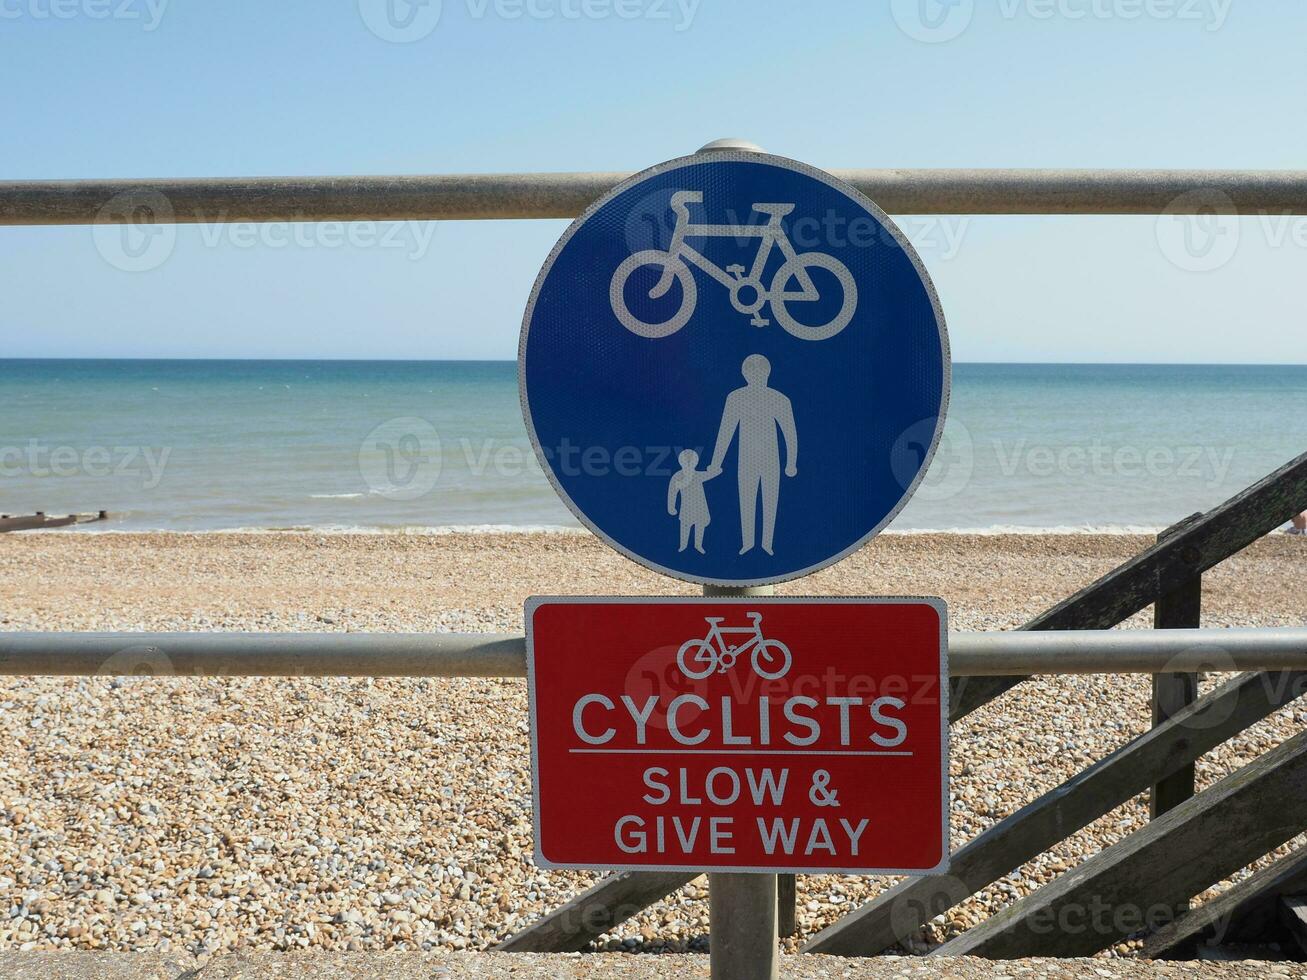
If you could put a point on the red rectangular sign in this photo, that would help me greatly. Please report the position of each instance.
(796, 735)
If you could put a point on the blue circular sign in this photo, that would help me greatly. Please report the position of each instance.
(734, 368)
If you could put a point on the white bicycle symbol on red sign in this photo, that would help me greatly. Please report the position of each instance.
(748, 294)
(698, 658)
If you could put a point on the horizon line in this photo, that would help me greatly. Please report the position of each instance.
(509, 360)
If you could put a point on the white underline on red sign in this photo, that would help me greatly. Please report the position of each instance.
(728, 752)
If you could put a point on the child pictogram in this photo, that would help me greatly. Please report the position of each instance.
(686, 499)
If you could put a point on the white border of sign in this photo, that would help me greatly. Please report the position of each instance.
(535, 602)
(787, 164)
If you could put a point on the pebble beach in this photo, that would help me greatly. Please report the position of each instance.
(196, 816)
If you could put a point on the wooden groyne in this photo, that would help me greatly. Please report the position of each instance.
(39, 520)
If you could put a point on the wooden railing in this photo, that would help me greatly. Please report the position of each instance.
(1168, 575)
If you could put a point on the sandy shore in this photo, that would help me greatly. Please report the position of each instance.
(201, 815)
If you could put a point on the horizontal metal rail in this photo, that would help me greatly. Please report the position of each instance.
(565, 195)
(504, 654)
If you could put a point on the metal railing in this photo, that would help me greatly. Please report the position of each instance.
(565, 195)
(995, 662)
(504, 654)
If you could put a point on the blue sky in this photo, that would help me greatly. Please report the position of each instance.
(137, 88)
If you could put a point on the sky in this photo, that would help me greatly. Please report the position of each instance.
(180, 88)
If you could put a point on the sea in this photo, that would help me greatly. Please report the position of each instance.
(437, 447)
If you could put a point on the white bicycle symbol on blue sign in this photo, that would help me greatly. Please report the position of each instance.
(748, 294)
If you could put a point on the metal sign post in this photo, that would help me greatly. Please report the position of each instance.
(734, 370)
(743, 910)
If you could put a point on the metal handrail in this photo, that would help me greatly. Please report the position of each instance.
(504, 654)
(565, 195)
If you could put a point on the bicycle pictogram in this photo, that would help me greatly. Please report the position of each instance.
(700, 657)
(747, 292)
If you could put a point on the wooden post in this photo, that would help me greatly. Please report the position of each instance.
(1178, 608)
(786, 900)
(742, 917)
(742, 927)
